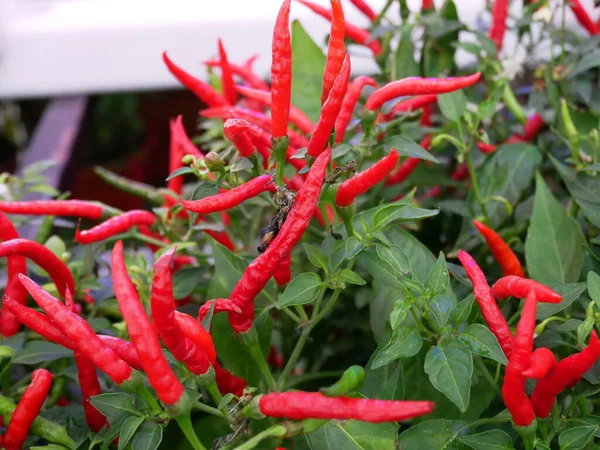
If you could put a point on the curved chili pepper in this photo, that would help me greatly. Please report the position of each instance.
(222, 238)
(27, 410)
(124, 350)
(502, 252)
(412, 104)
(258, 273)
(57, 270)
(486, 148)
(531, 129)
(352, 32)
(408, 165)
(351, 381)
(331, 109)
(163, 313)
(364, 8)
(283, 273)
(195, 332)
(314, 405)
(564, 374)
(204, 91)
(236, 131)
(14, 289)
(75, 208)
(513, 388)
(426, 5)
(78, 330)
(230, 198)
(296, 116)
(348, 105)
(336, 51)
(483, 294)
(498, 28)
(514, 286)
(227, 83)
(281, 72)
(583, 17)
(143, 335)
(244, 72)
(418, 86)
(179, 146)
(363, 181)
(115, 225)
(541, 362)
(227, 382)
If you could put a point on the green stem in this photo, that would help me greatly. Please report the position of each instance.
(214, 393)
(475, 185)
(274, 431)
(289, 366)
(487, 375)
(280, 146)
(314, 376)
(185, 423)
(147, 396)
(475, 424)
(250, 339)
(199, 406)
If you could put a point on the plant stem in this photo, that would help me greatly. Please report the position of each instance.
(475, 184)
(274, 431)
(294, 356)
(487, 375)
(214, 393)
(250, 339)
(475, 424)
(313, 376)
(199, 406)
(185, 423)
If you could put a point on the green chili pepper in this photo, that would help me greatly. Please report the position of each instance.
(352, 380)
(512, 104)
(131, 187)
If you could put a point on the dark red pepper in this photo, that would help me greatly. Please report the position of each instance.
(513, 286)
(115, 225)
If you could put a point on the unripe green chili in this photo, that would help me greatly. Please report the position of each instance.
(352, 380)
(512, 104)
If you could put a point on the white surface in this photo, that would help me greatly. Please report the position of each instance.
(57, 47)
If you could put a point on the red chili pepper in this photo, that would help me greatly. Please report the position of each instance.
(329, 112)
(418, 86)
(564, 374)
(204, 91)
(364, 8)
(281, 72)
(427, 4)
(531, 129)
(27, 409)
(244, 72)
(314, 405)
(143, 335)
(78, 330)
(583, 17)
(195, 332)
(498, 28)
(348, 105)
(228, 383)
(124, 350)
(502, 252)
(542, 361)
(336, 51)
(363, 181)
(486, 148)
(163, 313)
(57, 270)
(461, 172)
(275, 358)
(513, 388)
(115, 225)
(352, 32)
(408, 166)
(483, 294)
(258, 273)
(297, 117)
(222, 238)
(231, 198)
(260, 139)
(75, 208)
(236, 131)
(319, 215)
(412, 104)
(227, 83)
(14, 289)
(179, 146)
(514, 286)
(283, 273)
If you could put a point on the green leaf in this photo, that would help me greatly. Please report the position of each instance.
(316, 256)
(584, 330)
(463, 310)
(148, 438)
(450, 368)
(588, 61)
(569, 293)
(399, 313)
(407, 147)
(488, 440)
(350, 435)
(353, 247)
(302, 289)
(395, 258)
(308, 63)
(384, 383)
(35, 352)
(482, 341)
(453, 105)
(352, 277)
(440, 308)
(114, 404)
(554, 239)
(406, 66)
(437, 56)
(591, 263)
(228, 270)
(438, 278)
(178, 172)
(593, 287)
(429, 435)
(185, 281)
(404, 343)
(576, 437)
(56, 245)
(128, 429)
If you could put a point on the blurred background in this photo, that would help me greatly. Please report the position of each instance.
(83, 82)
